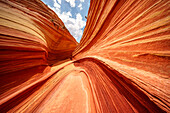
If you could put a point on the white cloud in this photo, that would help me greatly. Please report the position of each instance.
(81, 0)
(56, 4)
(80, 6)
(72, 3)
(59, 1)
(74, 25)
(56, 7)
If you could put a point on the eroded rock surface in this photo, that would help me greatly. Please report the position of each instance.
(121, 64)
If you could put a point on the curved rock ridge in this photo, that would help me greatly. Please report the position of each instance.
(121, 64)
(133, 38)
(32, 38)
(29, 26)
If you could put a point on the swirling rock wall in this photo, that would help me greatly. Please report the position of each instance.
(121, 64)
(133, 38)
(32, 38)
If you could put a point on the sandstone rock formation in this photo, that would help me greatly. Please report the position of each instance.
(122, 63)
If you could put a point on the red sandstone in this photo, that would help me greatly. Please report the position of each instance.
(122, 63)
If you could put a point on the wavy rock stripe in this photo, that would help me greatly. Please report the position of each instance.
(32, 38)
(133, 38)
(121, 64)
(31, 27)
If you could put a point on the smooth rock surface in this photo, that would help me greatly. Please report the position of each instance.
(133, 38)
(122, 63)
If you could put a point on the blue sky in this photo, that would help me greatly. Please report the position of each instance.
(72, 13)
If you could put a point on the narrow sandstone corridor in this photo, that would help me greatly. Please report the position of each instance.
(74, 84)
(121, 65)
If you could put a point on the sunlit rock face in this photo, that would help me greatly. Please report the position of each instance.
(32, 38)
(121, 64)
(131, 38)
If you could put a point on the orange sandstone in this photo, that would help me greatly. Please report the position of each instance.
(121, 64)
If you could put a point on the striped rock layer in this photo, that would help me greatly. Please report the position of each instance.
(122, 63)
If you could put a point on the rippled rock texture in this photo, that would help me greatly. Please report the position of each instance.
(122, 63)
